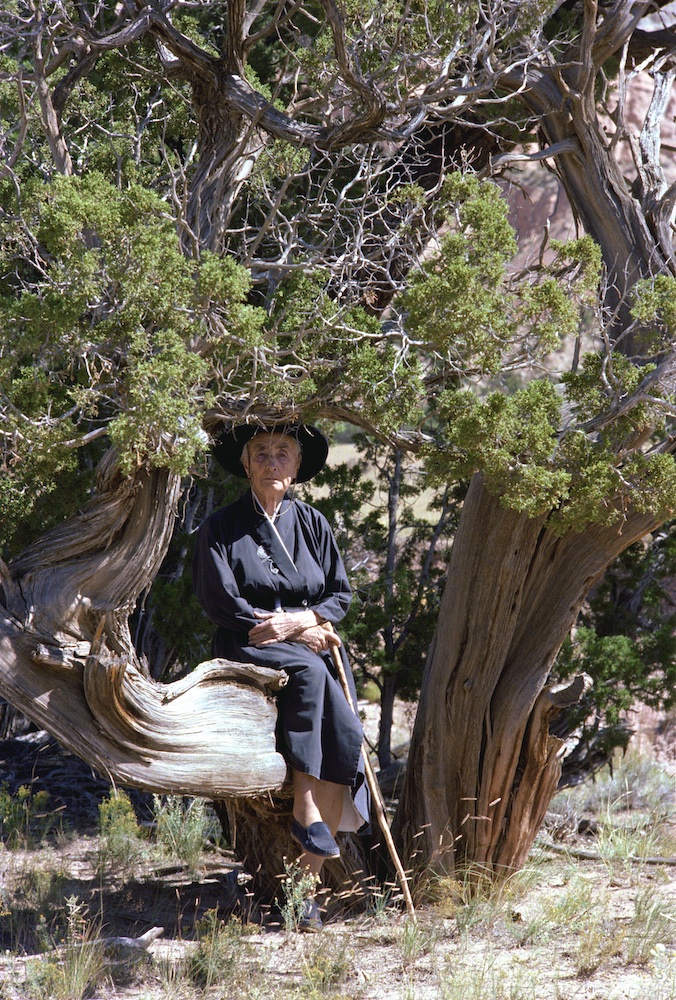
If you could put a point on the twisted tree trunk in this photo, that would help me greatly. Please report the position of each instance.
(482, 766)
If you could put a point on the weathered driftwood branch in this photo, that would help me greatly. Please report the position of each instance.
(116, 950)
(67, 660)
(126, 947)
(210, 734)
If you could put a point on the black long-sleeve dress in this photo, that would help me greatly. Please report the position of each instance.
(242, 565)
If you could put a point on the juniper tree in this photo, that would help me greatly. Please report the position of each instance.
(245, 210)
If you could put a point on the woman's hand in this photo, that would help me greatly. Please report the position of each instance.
(280, 626)
(318, 638)
(293, 626)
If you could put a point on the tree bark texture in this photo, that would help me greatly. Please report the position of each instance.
(68, 663)
(631, 226)
(482, 766)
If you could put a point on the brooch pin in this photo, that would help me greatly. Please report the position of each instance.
(262, 554)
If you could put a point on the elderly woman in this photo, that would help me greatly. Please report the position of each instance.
(268, 573)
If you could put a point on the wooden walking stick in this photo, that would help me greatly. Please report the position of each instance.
(378, 800)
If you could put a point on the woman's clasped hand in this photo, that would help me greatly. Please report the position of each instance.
(292, 626)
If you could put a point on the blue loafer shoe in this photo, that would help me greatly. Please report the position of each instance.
(310, 920)
(315, 839)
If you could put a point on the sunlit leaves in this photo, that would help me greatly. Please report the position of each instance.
(549, 313)
(603, 380)
(159, 420)
(390, 392)
(461, 301)
(654, 307)
(510, 439)
(584, 255)
(106, 316)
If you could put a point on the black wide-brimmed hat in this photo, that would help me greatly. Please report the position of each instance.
(314, 447)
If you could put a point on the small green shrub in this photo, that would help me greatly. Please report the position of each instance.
(652, 925)
(32, 898)
(580, 902)
(370, 692)
(24, 817)
(326, 967)
(297, 886)
(121, 841)
(40, 886)
(219, 954)
(620, 846)
(415, 940)
(599, 941)
(474, 900)
(380, 898)
(182, 828)
(173, 976)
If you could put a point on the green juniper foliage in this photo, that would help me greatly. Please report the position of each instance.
(25, 816)
(105, 311)
(626, 641)
(102, 309)
(511, 439)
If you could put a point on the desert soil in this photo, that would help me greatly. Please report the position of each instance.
(561, 935)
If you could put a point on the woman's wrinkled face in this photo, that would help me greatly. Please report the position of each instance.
(271, 461)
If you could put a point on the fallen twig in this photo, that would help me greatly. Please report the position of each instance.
(584, 855)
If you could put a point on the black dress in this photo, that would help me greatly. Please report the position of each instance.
(241, 565)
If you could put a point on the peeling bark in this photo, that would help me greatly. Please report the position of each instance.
(482, 766)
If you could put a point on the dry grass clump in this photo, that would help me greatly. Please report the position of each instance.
(326, 966)
(183, 827)
(76, 967)
(220, 953)
(629, 810)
